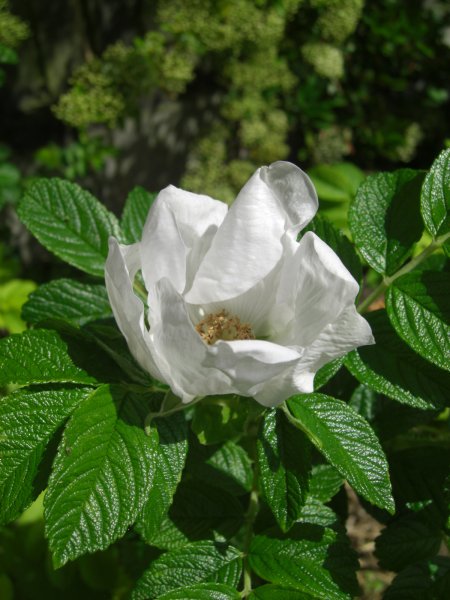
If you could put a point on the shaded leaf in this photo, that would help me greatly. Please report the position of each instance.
(135, 213)
(435, 200)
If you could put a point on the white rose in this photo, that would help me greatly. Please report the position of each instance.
(235, 303)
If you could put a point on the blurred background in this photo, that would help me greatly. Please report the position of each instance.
(199, 94)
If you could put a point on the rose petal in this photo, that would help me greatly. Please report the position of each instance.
(175, 225)
(177, 341)
(121, 267)
(347, 333)
(315, 287)
(249, 362)
(248, 244)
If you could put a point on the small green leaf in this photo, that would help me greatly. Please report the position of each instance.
(338, 242)
(69, 222)
(199, 511)
(311, 559)
(406, 541)
(101, 475)
(278, 592)
(194, 563)
(325, 373)
(69, 300)
(203, 591)
(169, 463)
(418, 308)
(284, 459)
(38, 356)
(348, 443)
(435, 200)
(227, 466)
(28, 420)
(135, 213)
(385, 218)
(8, 56)
(325, 482)
(391, 368)
(426, 580)
(220, 418)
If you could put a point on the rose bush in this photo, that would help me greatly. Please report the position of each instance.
(235, 303)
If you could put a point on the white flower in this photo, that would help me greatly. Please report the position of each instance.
(235, 303)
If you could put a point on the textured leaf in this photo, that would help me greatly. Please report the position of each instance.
(391, 368)
(418, 308)
(195, 563)
(203, 591)
(325, 482)
(312, 559)
(69, 300)
(199, 512)
(101, 476)
(227, 466)
(381, 232)
(348, 443)
(435, 200)
(38, 356)
(338, 242)
(364, 401)
(406, 541)
(284, 460)
(325, 373)
(135, 213)
(426, 580)
(28, 420)
(69, 222)
(278, 592)
(169, 463)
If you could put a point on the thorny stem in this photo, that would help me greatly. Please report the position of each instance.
(253, 507)
(412, 264)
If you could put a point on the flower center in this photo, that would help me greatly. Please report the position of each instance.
(223, 326)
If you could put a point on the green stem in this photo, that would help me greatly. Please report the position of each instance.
(412, 264)
(165, 413)
(253, 507)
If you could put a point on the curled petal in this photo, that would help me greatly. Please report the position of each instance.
(176, 224)
(249, 244)
(314, 289)
(249, 362)
(121, 267)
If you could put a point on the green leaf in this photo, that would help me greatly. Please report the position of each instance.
(69, 300)
(135, 213)
(435, 200)
(8, 56)
(38, 356)
(13, 294)
(426, 580)
(278, 592)
(284, 460)
(347, 442)
(312, 559)
(338, 242)
(199, 511)
(391, 368)
(419, 475)
(69, 222)
(406, 541)
(28, 420)
(220, 418)
(325, 482)
(336, 183)
(227, 466)
(325, 373)
(364, 401)
(203, 591)
(169, 463)
(385, 218)
(418, 308)
(194, 563)
(101, 475)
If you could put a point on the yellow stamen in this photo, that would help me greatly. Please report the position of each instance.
(223, 326)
